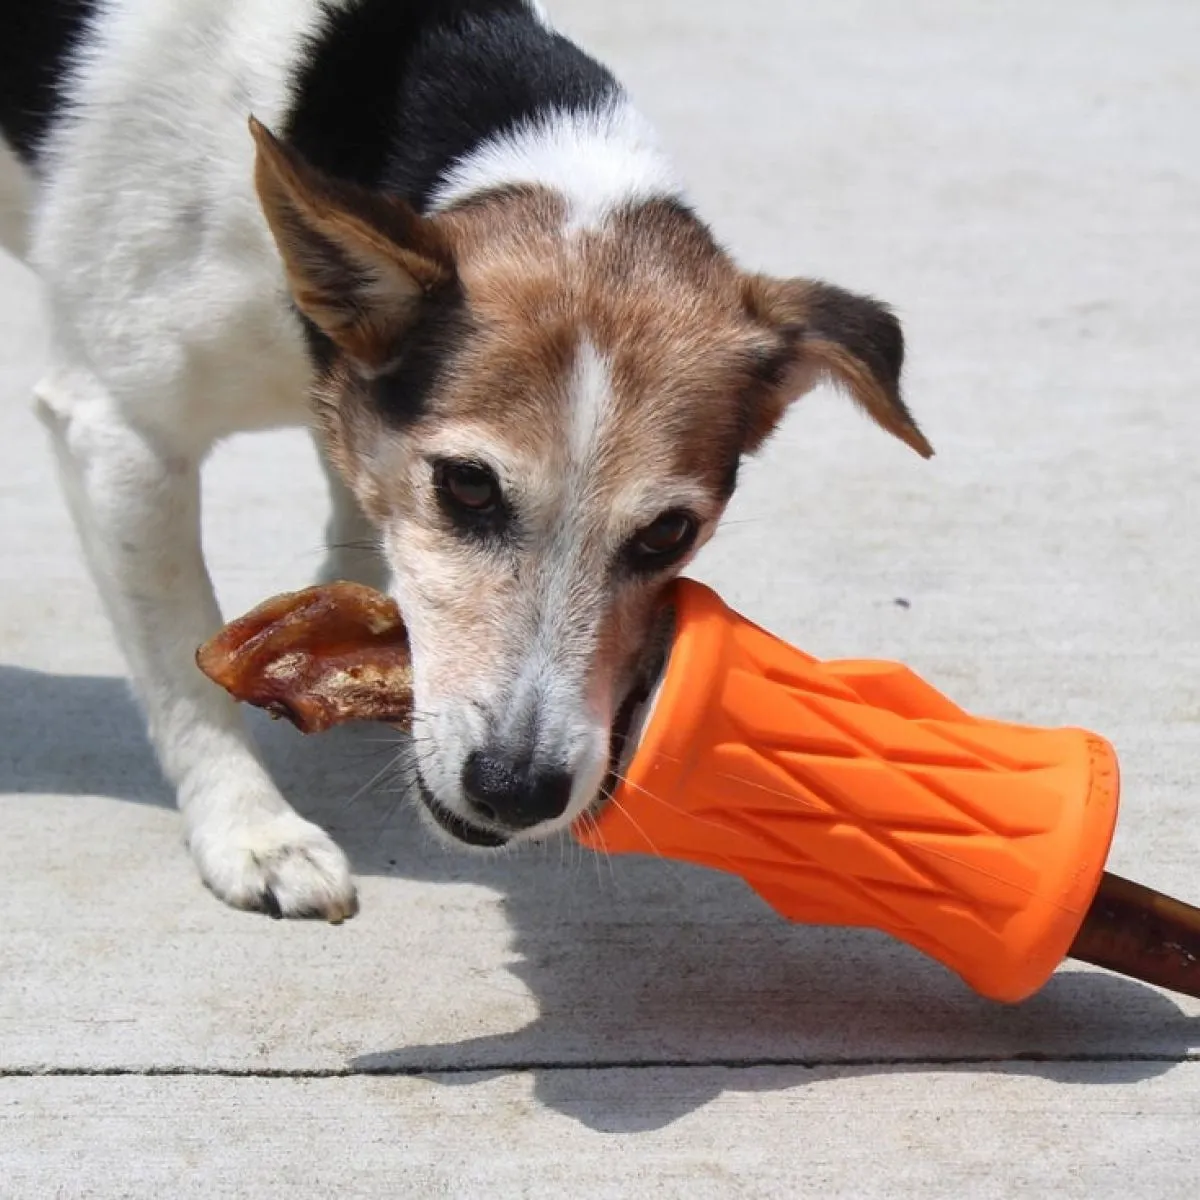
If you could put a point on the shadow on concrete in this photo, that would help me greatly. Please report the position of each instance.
(633, 962)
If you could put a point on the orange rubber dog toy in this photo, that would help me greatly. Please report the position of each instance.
(853, 793)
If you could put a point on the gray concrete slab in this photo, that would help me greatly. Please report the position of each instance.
(609, 1134)
(1022, 183)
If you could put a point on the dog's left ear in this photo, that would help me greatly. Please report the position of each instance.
(818, 332)
(359, 263)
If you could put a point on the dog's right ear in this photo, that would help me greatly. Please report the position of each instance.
(359, 264)
(823, 332)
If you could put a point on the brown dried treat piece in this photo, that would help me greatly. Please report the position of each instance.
(320, 657)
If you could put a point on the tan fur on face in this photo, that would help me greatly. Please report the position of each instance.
(605, 375)
(656, 303)
(650, 293)
(691, 341)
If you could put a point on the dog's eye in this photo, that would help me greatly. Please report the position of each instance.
(667, 538)
(468, 486)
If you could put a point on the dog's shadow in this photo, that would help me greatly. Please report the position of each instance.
(632, 962)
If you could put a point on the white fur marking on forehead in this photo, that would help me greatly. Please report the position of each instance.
(590, 403)
(599, 161)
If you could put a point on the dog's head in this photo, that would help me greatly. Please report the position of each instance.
(546, 423)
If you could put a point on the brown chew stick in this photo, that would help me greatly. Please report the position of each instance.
(319, 657)
(1137, 931)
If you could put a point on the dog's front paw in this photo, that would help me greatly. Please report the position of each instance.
(281, 865)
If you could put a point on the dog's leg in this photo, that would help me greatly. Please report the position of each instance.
(136, 504)
(352, 549)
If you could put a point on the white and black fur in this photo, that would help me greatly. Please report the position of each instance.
(438, 173)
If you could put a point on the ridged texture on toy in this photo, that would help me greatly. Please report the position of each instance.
(854, 793)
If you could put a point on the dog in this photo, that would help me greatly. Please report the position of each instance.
(442, 236)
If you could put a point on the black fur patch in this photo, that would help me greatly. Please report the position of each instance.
(427, 352)
(424, 355)
(36, 41)
(868, 329)
(394, 92)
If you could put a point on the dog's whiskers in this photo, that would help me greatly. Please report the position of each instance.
(359, 544)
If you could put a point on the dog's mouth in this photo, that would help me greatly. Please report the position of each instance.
(624, 736)
(458, 827)
(623, 731)
(635, 710)
(489, 838)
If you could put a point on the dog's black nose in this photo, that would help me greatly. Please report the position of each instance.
(513, 793)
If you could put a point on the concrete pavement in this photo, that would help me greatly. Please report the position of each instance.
(1022, 182)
